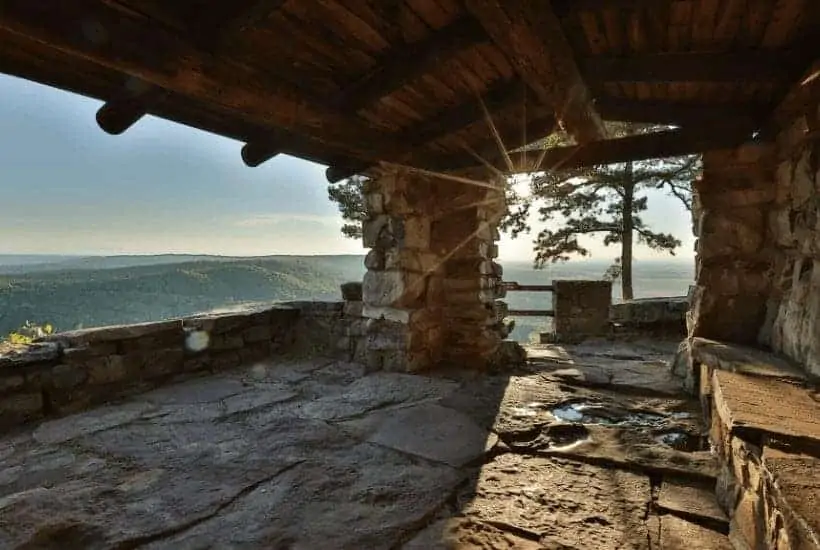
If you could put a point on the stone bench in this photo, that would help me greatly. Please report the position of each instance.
(764, 426)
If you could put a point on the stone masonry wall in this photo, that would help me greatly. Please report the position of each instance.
(733, 265)
(792, 323)
(429, 292)
(72, 371)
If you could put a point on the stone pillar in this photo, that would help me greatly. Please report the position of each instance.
(581, 309)
(430, 281)
(734, 258)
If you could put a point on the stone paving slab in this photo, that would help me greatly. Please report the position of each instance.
(563, 502)
(320, 454)
(697, 501)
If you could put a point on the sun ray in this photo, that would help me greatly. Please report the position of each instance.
(494, 130)
(444, 175)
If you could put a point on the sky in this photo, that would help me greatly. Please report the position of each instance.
(67, 187)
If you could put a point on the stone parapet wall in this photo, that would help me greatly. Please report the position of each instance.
(71, 371)
(581, 309)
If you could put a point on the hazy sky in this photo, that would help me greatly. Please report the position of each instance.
(66, 187)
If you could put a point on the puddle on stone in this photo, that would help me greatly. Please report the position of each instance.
(682, 441)
(591, 413)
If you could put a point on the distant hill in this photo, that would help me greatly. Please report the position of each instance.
(100, 291)
(71, 292)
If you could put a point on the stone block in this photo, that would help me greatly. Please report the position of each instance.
(11, 382)
(258, 333)
(491, 268)
(253, 352)
(157, 340)
(158, 363)
(417, 261)
(374, 204)
(393, 288)
(82, 354)
(487, 231)
(108, 370)
(738, 233)
(67, 376)
(352, 291)
(222, 342)
(20, 407)
(353, 309)
(375, 260)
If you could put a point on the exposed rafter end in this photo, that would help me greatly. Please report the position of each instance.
(341, 172)
(119, 114)
(254, 154)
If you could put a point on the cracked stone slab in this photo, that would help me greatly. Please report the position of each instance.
(375, 392)
(467, 534)
(202, 390)
(426, 430)
(95, 420)
(569, 503)
(602, 364)
(370, 498)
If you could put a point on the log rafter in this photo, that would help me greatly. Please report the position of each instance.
(762, 66)
(667, 143)
(678, 113)
(127, 43)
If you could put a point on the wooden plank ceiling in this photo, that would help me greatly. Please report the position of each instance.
(349, 83)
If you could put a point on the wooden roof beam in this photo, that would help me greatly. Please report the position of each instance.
(537, 128)
(532, 35)
(119, 114)
(669, 143)
(128, 43)
(448, 121)
(678, 113)
(758, 66)
(404, 64)
(564, 7)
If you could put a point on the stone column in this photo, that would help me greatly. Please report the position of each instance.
(430, 280)
(734, 257)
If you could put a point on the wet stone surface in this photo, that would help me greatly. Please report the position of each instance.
(316, 453)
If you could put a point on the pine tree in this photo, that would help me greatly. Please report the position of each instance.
(608, 201)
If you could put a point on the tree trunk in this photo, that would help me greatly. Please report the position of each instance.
(626, 238)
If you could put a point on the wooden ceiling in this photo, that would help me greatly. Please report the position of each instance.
(349, 83)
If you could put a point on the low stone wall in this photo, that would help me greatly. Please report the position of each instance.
(664, 316)
(581, 309)
(71, 371)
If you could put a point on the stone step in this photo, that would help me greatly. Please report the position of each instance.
(764, 425)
